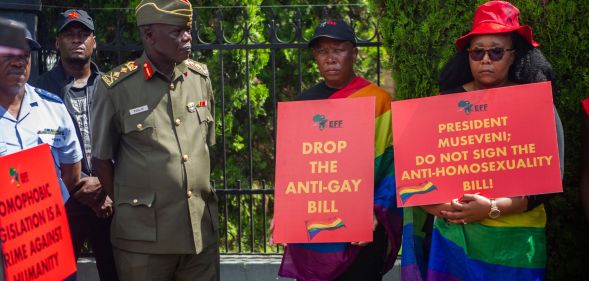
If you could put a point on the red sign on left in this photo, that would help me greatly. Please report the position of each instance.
(34, 230)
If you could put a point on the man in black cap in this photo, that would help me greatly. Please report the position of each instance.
(334, 49)
(74, 78)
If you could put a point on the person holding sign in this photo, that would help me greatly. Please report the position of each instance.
(475, 237)
(334, 49)
(153, 123)
(584, 177)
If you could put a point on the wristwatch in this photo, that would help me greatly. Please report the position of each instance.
(494, 212)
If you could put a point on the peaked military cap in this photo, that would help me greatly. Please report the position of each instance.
(12, 34)
(173, 12)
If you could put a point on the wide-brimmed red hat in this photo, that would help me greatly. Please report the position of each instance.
(497, 17)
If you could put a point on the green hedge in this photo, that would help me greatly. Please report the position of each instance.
(419, 38)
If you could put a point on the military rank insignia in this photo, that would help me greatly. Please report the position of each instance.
(148, 70)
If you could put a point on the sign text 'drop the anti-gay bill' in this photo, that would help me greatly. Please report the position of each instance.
(324, 171)
(36, 242)
(499, 142)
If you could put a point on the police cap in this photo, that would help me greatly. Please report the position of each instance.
(12, 35)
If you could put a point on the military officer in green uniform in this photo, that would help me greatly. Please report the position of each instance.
(153, 120)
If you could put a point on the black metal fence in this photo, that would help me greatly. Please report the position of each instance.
(257, 57)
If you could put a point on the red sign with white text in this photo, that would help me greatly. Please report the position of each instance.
(36, 242)
(324, 171)
(499, 142)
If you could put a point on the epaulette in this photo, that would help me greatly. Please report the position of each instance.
(119, 73)
(48, 96)
(198, 67)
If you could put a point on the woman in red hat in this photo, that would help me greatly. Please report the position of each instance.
(584, 175)
(475, 237)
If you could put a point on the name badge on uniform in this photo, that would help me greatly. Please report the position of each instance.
(53, 137)
(138, 110)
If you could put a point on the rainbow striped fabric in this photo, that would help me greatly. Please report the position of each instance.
(326, 261)
(407, 191)
(314, 227)
(511, 247)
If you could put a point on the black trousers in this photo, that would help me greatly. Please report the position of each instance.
(85, 226)
(370, 262)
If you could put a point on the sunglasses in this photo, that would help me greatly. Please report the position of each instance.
(495, 54)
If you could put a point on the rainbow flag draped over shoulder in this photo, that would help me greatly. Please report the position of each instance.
(326, 261)
(511, 247)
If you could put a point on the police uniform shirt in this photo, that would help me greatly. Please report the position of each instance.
(156, 129)
(42, 119)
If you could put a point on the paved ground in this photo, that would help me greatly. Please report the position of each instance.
(233, 268)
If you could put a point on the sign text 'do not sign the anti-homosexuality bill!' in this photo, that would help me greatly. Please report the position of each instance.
(499, 142)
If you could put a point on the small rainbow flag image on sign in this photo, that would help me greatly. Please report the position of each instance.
(314, 226)
(407, 191)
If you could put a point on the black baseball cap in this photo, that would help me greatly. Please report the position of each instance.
(70, 16)
(334, 29)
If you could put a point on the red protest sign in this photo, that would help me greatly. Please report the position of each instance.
(324, 171)
(36, 242)
(498, 142)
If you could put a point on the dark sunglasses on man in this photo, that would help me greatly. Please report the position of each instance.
(495, 54)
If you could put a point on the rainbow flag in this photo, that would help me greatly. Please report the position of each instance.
(326, 261)
(314, 227)
(511, 247)
(407, 191)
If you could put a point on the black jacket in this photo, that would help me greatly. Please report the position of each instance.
(57, 82)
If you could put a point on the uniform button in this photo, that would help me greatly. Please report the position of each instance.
(178, 122)
(185, 157)
(135, 201)
(172, 87)
(139, 126)
(189, 194)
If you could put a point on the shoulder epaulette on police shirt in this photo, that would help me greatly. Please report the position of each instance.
(48, 96)
(198, 67)
(119, 73)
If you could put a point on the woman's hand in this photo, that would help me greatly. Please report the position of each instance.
(437, 209)
(470, 208)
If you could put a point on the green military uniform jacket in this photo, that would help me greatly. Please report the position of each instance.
(157, 132)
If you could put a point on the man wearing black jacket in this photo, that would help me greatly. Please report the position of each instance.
(74, 78)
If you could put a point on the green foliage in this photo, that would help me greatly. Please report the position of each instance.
(419, 37)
